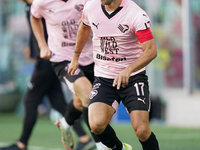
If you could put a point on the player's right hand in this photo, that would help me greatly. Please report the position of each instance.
(72, 67)
(45, 52)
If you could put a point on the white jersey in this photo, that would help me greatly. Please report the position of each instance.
(62, 21)
(115, 43)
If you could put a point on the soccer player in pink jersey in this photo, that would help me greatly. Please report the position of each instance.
(62, 21)
(122, 46)
(44, 82)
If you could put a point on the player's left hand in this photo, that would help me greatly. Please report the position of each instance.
(122, 79)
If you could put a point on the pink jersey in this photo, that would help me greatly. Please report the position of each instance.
(62, 21)
(115, 43)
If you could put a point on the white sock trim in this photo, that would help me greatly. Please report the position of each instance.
(100, 145)
(65, 125)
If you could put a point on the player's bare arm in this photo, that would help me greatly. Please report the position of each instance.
(82, 37)
(150, 52)
(38, 30)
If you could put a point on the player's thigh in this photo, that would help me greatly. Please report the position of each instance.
(77, 83)
(140, 123)
(82, 87)
(104, 101)
(100, 114)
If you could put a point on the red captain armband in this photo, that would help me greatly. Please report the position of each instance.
(144, 35)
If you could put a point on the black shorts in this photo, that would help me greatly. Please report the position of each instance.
(61, 70)
(135, 96)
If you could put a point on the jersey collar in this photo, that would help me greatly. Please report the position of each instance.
(115, 12)
(112, 14)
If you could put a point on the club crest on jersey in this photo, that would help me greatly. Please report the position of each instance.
(123, 27)
(93, 93)
(79, 7)
(96, 86)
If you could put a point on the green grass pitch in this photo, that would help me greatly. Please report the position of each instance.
(46, 136)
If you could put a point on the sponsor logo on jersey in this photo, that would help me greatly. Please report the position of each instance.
(108, 45)
(69, 28)
(51, 11)
(64, 44)
(142, 100)
(99, 56)
(96, 25)
(123, 28)
(145, 15)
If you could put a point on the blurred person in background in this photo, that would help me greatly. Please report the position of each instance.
(62, 21)
(44, 82)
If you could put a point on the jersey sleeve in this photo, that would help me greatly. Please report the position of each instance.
(36, 8)
(141, 26)
(141, 22)
(85, 15)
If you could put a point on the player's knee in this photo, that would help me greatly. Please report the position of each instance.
(96, 128)
(142, 133)
(78, 105)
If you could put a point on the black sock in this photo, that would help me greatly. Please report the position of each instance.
(77, 126)
(72, 114)
(109, 138)
(151, 143)
(85, 117)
